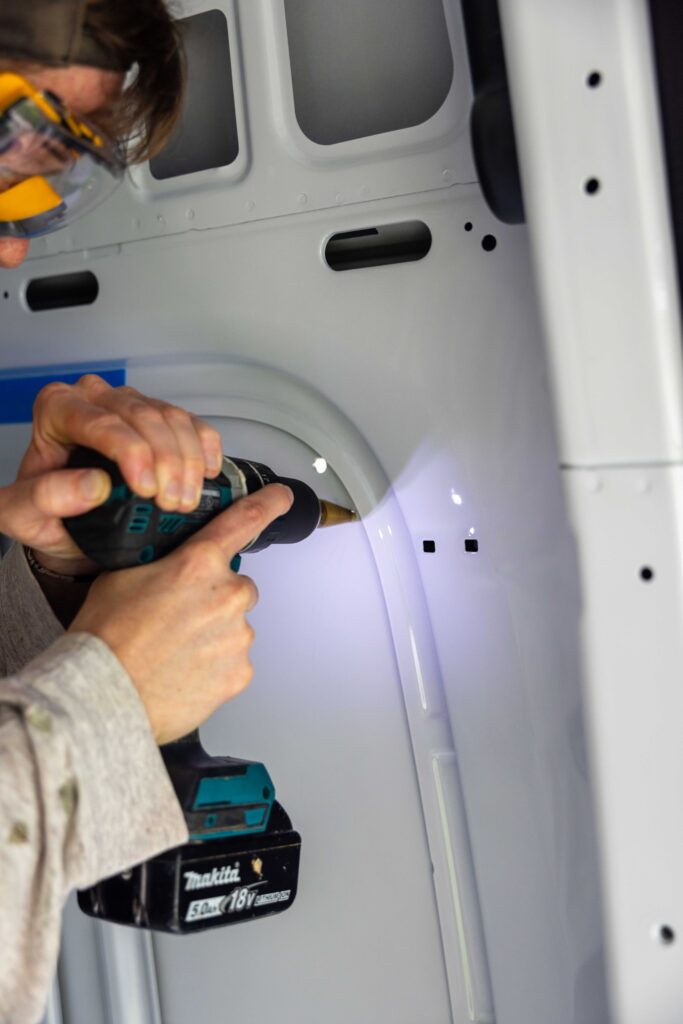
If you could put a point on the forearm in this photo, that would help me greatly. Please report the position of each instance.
(27, 623)
(71, 809)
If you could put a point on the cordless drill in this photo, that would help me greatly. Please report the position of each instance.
(242, 860)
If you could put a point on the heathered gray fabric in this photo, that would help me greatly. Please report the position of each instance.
(83, 790)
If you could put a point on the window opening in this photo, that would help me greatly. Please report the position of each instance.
(360, 69)
(206, 134)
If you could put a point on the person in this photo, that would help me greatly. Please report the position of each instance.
(98, 670)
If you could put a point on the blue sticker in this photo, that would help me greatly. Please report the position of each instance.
(18, 388)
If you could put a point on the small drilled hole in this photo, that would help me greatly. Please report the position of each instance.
(592, 186)
(666, 935)
(429, 546)
(468, 225)
(471, 544)
(647, 574)
(5, 295)
(489, 243)
(594, 80)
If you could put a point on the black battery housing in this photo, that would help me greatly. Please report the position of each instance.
(204, 885)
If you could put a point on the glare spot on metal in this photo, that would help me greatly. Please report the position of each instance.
(381, 535)
(661, 296)
(455, 886)
(418, 670)
(472, 531)
(320, 464)
(456, 498)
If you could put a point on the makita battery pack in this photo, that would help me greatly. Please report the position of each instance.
(242, 860)
(204, 884)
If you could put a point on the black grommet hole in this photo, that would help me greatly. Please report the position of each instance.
(60, 291)
(403, 242)
(489, 243)
(592, 186)
(471, 544)
(594, 80)
(429, 546)
(666, 935)
(468, 225)
(647, 574)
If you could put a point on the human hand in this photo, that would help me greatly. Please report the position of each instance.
(162, 451)
(13, 252)
(178, 625)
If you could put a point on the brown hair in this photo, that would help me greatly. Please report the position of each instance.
(140, 33)
(141, 37)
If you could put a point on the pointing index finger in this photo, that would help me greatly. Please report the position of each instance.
(233, 529)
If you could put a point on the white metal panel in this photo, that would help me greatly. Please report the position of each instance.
(605, 266)
(435, 368)
(629, 521)
(439, 367)
(279, 171)
(604, 261)
(104, 972)
(348, 783)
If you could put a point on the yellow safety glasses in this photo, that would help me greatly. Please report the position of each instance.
(54, 167)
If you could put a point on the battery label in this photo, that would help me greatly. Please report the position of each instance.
(272, 897)
(229, 889)
(199, 910)
(241, 898)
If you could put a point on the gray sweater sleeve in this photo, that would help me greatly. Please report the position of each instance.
(83, 789)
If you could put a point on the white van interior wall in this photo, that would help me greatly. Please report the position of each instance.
(437, 366)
